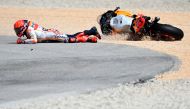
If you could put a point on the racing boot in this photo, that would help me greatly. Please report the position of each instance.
(93, 31)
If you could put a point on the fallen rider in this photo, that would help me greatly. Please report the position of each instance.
(35, 33)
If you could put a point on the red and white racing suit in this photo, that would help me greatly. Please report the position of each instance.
(36, 33)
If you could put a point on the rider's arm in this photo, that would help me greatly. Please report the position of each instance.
(31, 37)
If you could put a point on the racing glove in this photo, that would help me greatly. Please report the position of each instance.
(20, 41)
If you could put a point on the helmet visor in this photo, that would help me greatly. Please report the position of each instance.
(20, 31)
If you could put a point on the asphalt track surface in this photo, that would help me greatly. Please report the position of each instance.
(34, 70)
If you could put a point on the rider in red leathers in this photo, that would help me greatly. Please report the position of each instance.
(36, 33)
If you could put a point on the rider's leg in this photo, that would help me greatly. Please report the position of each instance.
(78, 37)
(92, 39)
(84, 36)
(44, 36)
(92, 31)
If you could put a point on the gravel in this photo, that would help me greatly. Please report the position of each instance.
(154, 94)
(159, 5)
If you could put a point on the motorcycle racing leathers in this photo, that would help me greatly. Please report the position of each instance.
(36, 33)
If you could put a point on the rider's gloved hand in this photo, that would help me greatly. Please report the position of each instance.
(19, 41)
